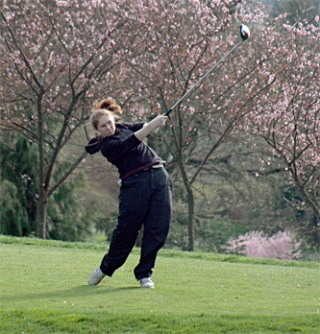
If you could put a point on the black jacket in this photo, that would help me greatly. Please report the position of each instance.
(124, 150)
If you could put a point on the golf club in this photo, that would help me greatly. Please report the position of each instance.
(244, 34)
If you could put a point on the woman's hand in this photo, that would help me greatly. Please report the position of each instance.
(157, 122)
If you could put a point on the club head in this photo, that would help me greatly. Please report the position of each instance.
(244, 32)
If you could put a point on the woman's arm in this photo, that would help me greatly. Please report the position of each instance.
(151, 126)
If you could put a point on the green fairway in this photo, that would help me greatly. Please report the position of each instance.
(44, 290)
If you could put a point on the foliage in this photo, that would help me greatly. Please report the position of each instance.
(57, 57)
(14, 219)
(67, 220)
(234, 197)
(268, 90)
(19, 182)
(211, 231)
(295, 11)
(53, 54)
(107, 224)
(256, 244)
(287, 115)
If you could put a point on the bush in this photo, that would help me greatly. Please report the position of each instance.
(256, 244)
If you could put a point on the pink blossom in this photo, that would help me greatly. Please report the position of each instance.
(256, 244)
(61, 3)
(10, 16)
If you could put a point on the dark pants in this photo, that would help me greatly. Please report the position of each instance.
(145, 199)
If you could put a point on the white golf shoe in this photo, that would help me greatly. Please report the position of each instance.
(96, 277)
(146, 283)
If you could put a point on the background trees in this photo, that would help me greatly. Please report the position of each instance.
(18, 177)
(56, 57)
(236, 147)
(287, 115)
(234, 101)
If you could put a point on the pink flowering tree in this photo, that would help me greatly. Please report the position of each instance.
(281, 245)
(56, 57)
(271, 80)
(178, 46)
(287, 116)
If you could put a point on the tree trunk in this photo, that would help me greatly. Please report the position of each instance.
(43, 196)
(42, 216)
(190, 220)
(190, 198)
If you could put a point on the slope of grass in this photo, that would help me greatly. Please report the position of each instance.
(44, 290)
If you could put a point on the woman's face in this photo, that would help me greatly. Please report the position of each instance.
(106, 126)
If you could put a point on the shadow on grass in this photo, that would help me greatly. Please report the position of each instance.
(77, 291)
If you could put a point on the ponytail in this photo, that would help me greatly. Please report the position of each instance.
(109, 104)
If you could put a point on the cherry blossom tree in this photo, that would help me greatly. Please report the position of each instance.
(56, 57)
(179, 45)
(287, 116)
(272, 70)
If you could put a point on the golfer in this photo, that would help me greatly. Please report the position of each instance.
(145, 193)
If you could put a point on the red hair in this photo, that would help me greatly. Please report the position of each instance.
(109, 104)
(103, 107)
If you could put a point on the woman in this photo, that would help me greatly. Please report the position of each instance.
(145, 193)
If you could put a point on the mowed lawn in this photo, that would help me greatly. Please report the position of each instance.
(43, 286)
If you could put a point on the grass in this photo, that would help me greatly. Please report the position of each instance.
(43, 290)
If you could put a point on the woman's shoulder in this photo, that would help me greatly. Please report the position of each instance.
(131, 126)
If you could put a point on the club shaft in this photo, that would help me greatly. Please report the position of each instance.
(202, 78)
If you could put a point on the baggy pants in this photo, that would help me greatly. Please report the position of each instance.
(145, 199)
